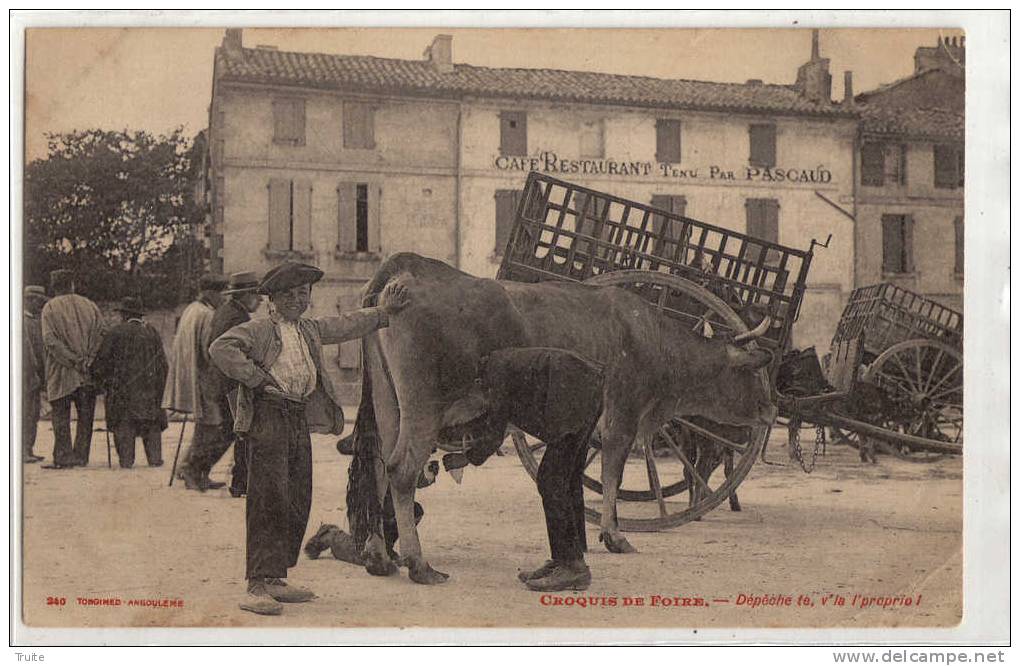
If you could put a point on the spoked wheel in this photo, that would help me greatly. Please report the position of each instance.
(652, 493)
(923, 380)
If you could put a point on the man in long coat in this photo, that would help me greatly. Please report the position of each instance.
(72, 329)
(242, 299)
(131, 367)
(33, 370)
(188, 383)
(284, 392)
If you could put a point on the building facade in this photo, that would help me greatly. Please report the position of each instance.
(342, 160)
(910, 199)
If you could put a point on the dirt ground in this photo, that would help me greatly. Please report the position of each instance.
(891, 530)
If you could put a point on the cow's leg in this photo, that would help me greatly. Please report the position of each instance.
(414, 445)
(728, 470)
(387, 416)
(377, 559)
(616, 445)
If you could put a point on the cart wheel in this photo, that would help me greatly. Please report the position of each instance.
(924, 381)
(655, 474)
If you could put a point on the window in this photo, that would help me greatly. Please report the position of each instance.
(359, 126)
(958, 264)
(897, 244)
(763, 145)
(762, 223)
(358, 215)
(506, 211)
(593, 144)
(883, 164)
(513, 133)
(948, 167)
(290, 215)
(667, 140)
(289, 121)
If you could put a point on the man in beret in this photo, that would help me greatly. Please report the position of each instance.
(283, 394)
(131, 367)
(72, 329)
(242, 299)
(189, 388)
(33, 370)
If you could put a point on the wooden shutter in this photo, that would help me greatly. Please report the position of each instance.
(279, 214)
(374, 217)
(301, 230)
(289, 121)
(347, 217)
(872, 164)
(908, 244)
(897, 244)
(958, 248)
(349, 355)
(763, 145)
(662, 202)
(763, 223)
(960, 156)
(667, 140)
(506, 209)
(359, 125)
(946, 163)
(903, 164)
(513, 133)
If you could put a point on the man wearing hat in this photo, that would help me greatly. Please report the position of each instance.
(283, 393)
(131, 367)
(33, 370)
(242, 299)
(72, 330)
(188, 384)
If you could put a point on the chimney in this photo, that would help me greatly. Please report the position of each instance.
(948, 54)
(232, 41)
(848, 88)
(813, 79)
(440, 53)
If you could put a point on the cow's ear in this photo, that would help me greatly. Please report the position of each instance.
(754, 359)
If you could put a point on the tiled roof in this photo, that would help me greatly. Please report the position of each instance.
(928, 104)
(418, 76)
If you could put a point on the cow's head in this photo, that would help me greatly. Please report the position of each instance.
(731, 388)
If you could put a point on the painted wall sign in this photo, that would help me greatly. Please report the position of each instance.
(549, 162)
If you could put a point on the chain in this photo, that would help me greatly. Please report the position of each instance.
(797, 453)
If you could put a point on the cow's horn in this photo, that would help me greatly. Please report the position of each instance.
(756, 332)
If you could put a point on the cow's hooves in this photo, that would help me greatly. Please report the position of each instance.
(616, 543)
(735, 507)
(425, 575)
(377, 565)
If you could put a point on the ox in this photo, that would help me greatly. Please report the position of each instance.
(425, 361)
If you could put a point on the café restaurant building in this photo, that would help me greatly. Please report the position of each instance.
(341, 161)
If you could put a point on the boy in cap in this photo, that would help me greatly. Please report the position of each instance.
(72, 330)
(33, 370)
(188, 387)
(131, 367)
(283, 394)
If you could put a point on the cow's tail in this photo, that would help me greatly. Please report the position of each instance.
(364, 510)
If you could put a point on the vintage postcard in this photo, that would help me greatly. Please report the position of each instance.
(586, 334)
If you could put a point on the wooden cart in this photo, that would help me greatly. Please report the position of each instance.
(714, 280)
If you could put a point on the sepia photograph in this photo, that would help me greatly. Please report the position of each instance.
(343, 327)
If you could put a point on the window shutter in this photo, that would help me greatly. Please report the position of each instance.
(960, 156)
(349, 356)
(280, 124)
(513, 133)
(279, 214)
(298, 121)
(945, 167)
(302, 228)
(872, 164)
(663, 202)
(667, 140)
(359, 125)
(903, 164)
(763, 145)
(908, 244)
(289, 121)
(506, 207)
(374, 218)
(347, 217)
(958, 263)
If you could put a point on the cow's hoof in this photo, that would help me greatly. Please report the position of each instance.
(424, 574)
(735, 506)
(378, 565)
(616, 543)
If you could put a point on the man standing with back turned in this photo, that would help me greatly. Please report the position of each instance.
(72, 329)
(284, 393)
